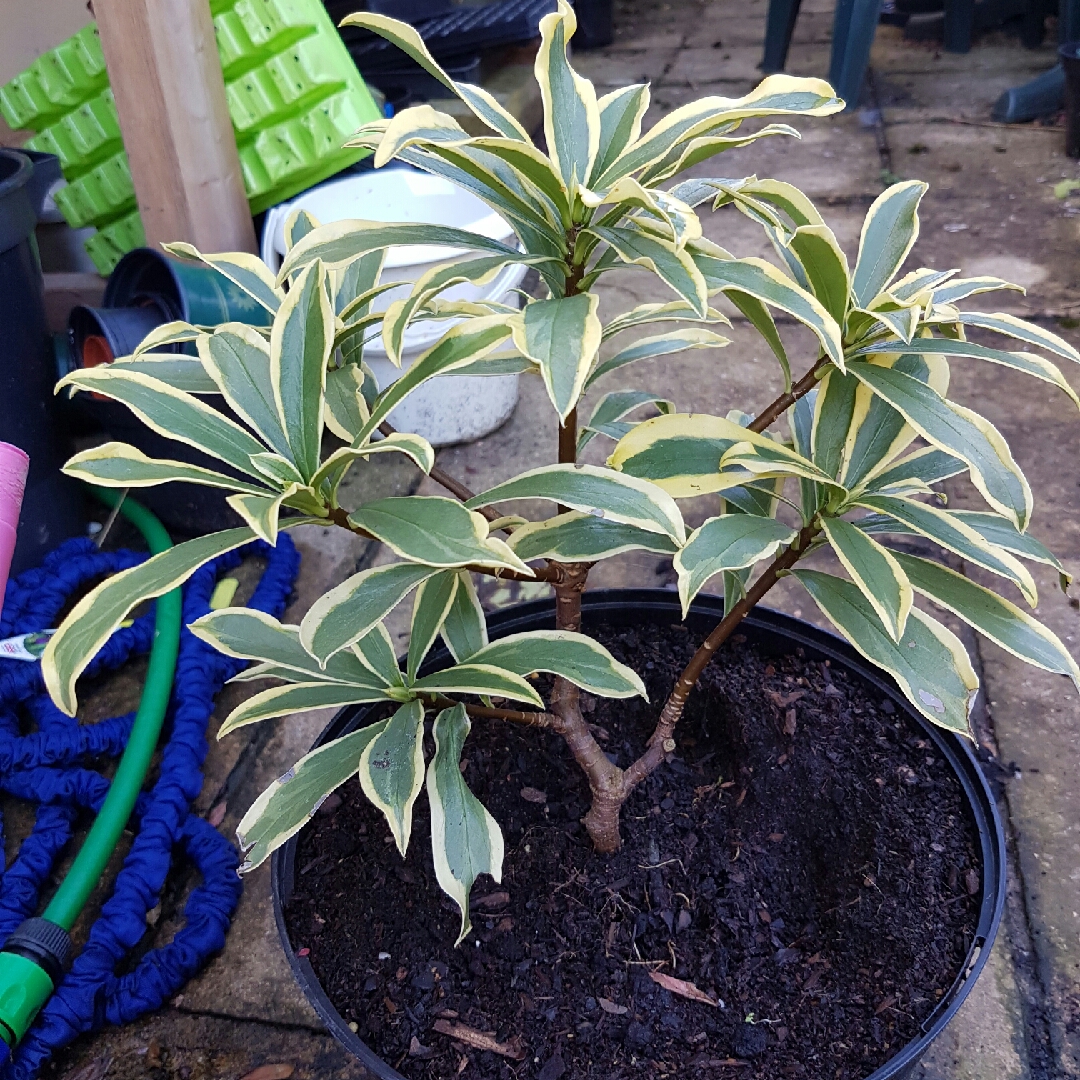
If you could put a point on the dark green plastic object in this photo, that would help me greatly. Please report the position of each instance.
(193, 291)
(24, 986)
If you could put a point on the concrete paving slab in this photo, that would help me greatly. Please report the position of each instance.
(173, 1045)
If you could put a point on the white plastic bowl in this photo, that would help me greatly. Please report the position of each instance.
(448, 409)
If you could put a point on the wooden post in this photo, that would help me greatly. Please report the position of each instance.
(170, 96)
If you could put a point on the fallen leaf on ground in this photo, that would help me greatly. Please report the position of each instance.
(418, 1050)
(492, 901)
(1065, 188)
(610, 1007)
(217, 815)
(683, 989)
(888, 1003)
(470, 1036)
(531, 794)
(279, 1071)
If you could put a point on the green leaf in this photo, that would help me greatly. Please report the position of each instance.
(412, 446)
(562, 336)
(245, 271)
(729, 542)
(375, 651)
(958, 431)
(298, 698)
(115, 464)
(436, 531)
(474, 678)
(928, 465)
(710, 115)
(88, 626)
(465, 628)
(679, 452)
(1003, 533)
(459, 346)
(672, 265)
(297, 225)
(671, 311)
(300, 345)
(171, 413)
(888, 234)
(348, 611)
(357, 284)
(674, 341)
(1010, 325)
(878, 432)
(392, 770)
(480, 101)
(1001, 621)
(401, 312)
(575, 657)
(287, 805)
(825, 265)
(571, 114)
(184, 373)
(953, 534)
(578, 537)
(929, 663)
(261, 512)
(762, 321)
(764, 282)
(342, 241)
(1028, 363)
(170, 333)
(346, 408)
(918, 282)
(612, 407)
(465, 839)
(431, 605)
(876, 572)
(834, 408)
(768, 459)
(253, 635)
(590, 488)
(962, 288)
(621, 113)
(237, 358)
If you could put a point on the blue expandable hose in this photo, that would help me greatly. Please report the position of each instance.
(44, 767)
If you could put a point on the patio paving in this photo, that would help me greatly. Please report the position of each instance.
(991, 207)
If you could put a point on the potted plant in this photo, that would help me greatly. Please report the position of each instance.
(870, 432)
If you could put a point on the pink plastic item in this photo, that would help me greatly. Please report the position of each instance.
(14, 465)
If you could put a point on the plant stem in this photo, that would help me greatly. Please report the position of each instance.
(513, 716)
(803, 387)
(661, 741)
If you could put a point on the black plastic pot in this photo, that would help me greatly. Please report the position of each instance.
(1070, 63)
(52, 505)
(775, 634)
(594, 24)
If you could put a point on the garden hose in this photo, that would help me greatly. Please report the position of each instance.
(35, 956)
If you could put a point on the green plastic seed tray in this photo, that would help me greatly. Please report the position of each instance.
(294, 96)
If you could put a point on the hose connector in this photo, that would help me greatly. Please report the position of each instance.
(32, 964)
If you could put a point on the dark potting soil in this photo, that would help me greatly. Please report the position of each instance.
(803, 859)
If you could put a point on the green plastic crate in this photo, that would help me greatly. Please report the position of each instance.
(294, 96)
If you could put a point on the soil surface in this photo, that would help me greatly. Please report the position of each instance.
(803, 860)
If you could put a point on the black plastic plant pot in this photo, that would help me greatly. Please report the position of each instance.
(1070, 62)
(190, 291)
(775, 634)
(595, 24)
(101, 335)
(52, 507)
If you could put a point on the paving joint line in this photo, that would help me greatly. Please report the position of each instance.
(276, 1025)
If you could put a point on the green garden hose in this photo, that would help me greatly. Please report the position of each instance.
(33, 959)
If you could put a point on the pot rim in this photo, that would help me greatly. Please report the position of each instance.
(762, 623)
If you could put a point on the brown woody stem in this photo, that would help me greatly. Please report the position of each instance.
(784, 402)
(513, 716)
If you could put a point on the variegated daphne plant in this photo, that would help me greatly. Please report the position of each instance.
(870, 431)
